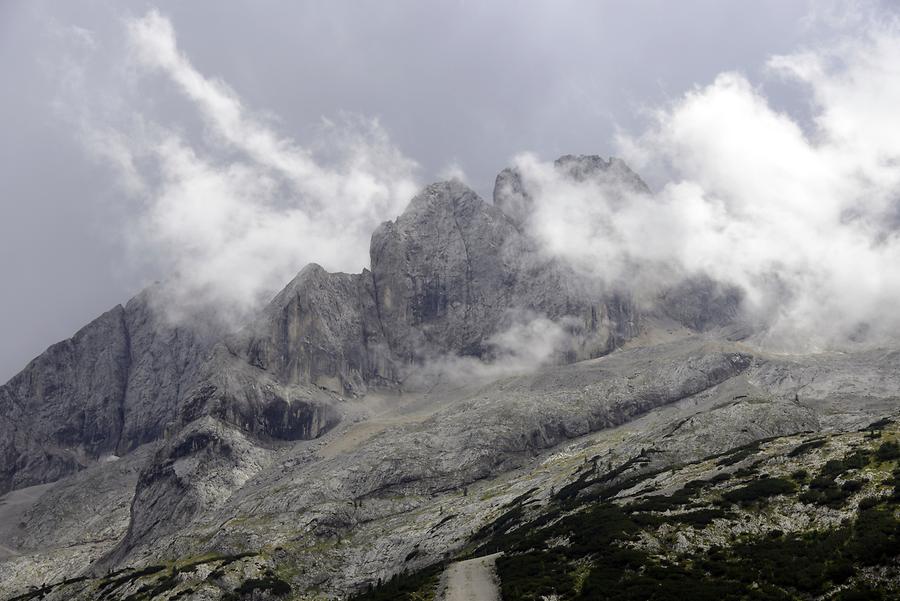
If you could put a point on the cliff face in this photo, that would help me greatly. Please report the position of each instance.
(323, 329)
(66, 406)
(453, 270)
(446, 275)
(295, 453)
(111, 387)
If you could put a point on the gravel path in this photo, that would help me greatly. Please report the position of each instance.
(472, 580)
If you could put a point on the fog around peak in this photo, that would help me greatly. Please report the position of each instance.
(153, 143)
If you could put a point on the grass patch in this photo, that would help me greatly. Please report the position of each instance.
(888, 451)
(418, 586)
(761, 488)
(806, 447)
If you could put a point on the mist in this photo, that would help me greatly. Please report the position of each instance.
(802, 217)
(232, 219)
(799, 210)
(527, 341)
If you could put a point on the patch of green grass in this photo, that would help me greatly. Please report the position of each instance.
(760, 489)
(888, 451)
(269, 583)
(806, 447)
(418, 586)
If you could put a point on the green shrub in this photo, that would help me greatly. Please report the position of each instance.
(404, 587)
(806, 447)
(760, 489)
(868, 503)
(880, 424)
(268, 582)
(855, 460)
(739, 454)
(746, 472)
(887, 451)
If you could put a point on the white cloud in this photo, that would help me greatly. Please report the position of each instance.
(453, 171)
(231, 218)
(806, 222)
(802, 217)
(528, 342)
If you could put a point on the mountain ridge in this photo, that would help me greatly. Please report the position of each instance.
(325, 447)
(355, 333)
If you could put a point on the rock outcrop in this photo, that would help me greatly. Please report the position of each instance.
(453, 270)
(108, 389)
(223, 435)
(446, 276)
(323, 329)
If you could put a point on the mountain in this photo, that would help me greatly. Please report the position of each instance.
(363, 426)
(794, 517)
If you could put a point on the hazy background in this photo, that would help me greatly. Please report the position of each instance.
(458, 87)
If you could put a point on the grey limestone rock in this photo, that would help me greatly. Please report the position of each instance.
(453, 270)
(446, 276)
(323, 329)
(111, 387)
(250, 439)
(65, 407)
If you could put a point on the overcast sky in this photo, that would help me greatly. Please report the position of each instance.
(457, 87)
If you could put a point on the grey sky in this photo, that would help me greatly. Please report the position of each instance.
(464, 83)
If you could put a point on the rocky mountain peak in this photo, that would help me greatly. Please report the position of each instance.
(447, 275)
(585, 167)
(451, 195)
(301, 454)
(515, 200)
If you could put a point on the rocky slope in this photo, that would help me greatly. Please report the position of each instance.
(110, 388)
(796, 517)
(446, 275)
(325, 447)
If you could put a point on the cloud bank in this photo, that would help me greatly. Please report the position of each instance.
(234, 216)
(803, 217)
(529, 341)
(799, 212)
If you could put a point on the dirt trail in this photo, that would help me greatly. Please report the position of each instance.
(472, 580)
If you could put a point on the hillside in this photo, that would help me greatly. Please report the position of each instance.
(796, 517)
(467, 395)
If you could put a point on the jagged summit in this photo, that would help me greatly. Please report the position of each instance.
(583, 167)
(449, 273)
(512, 197)
(445, 276)
(301, 450)
(452, 195)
